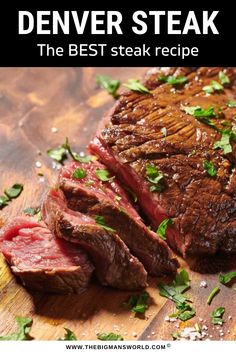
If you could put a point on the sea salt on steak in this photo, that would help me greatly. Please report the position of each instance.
(42, 261)
(154, 128)
(107, 198)
(114, 264)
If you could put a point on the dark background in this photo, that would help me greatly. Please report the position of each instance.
(214, 50)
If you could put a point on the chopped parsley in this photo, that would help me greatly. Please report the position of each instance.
(173, 80)
(224, 79)
(109, 336)
(138, 303)
(174, 292)
(103, 175)
(154, 177)
(214, 86)
(31, 211)
(131, 193)
(161, 231)
(231, 104)
(101, 221)
(60, 154)
(224, 143)
(216, 316)
(57, 154)
(213, 293)
(117, 198)
(79, 173)
(210, 168)
(135, 85)
(108, 84)
(69, 335)
(24, 325)
(197, 111)
(10, 193)
(226, 278)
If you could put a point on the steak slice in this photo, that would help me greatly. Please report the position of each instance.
(114, 264)
(42, 261)
(154, 128)
(108, 199)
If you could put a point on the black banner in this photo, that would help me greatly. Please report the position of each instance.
(89, 35)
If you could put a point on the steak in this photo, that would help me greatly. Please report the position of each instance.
(114, 264)
(92, 196)
(42, 261)
(144, 129)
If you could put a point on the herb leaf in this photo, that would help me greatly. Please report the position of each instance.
(213, 293)
(231, 104)
(226, 278)
(101, 221)
(79, 173)
(224, 142)
(4, 201)
(161, 231)
(174, 292)
(24, 326)
(108, 84)
(224, 79)
(14, 191)
(138, 303)
(154, 177)
(217, 315)
(103, 175)
(214, 86)
(69, 335)
(210, 168)
(57, 154)
(197, 111)
(31, 211)
(74, 155)
(173, 80)
(135, 85)
(109, 336)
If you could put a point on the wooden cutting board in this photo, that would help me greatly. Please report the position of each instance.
(32, 102)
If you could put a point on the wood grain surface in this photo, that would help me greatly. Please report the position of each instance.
(32, 102)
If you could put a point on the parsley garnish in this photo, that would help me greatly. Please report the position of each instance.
(161, 231)
(214, 86)
(101, 221)
(197, 111)
(103, 175)
(224, 79)
(69, 335)
(173, 80)
(109, 84)
(213, 293)
(109, 336)
(174, 292)
(226, 278)
(79, 173)
(210, 168)
(138, 303)
(135, 85)
(24, 325)
(60, 154)
(154, 177)
(216, 316)
(31, 211)
(224, 142)
(10, 193)
(231, 104)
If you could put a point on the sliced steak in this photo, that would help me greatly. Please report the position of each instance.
(115, 266)
(153, 128)
(42, 261)
(108, 199)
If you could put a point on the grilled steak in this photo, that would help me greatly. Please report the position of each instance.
(92, 196)
(155, 129)
(114, 264)
(42, 261)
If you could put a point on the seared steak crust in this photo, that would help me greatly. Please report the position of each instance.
(203, 207)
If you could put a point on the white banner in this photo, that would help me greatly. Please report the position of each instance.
(110, 347)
